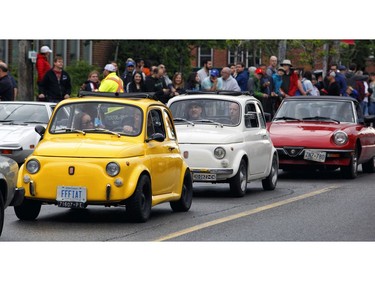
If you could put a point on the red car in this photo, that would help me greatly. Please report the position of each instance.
(323, 132)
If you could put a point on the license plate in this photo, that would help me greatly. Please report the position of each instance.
(66, 204)
(204, 177)
(71, 194)
(318, 156)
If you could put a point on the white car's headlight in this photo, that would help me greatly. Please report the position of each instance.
(340, 138)
(219, 152)
(112, 169)
(33, 166)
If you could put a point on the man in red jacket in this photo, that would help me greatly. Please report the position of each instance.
(289, 85)
(42, 64)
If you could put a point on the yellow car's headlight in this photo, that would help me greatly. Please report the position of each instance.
(112, 169)
(33, 166)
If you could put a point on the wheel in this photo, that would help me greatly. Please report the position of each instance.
(269, 183)
(238, 184)
(184, 203)
(1, 213)
(138, 206)
(29, 210)
(369, 166)
(351, 171)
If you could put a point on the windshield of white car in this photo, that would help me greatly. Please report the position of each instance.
(23, 113)
(207, 111)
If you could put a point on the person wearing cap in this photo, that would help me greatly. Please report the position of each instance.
(242, 76)
(42, 64)
(290, 80)
(264, 92)
(212, 82)
(56, 84)
(333, 88)
(111, 82)
(127, 76)
(277, 79)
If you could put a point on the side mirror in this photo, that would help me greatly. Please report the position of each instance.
(369, 120)
(267, 116)
(40, 130)
(157, 136)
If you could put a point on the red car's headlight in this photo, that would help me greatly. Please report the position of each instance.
(340, 138)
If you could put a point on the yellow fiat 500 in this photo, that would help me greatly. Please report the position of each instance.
(99, 149)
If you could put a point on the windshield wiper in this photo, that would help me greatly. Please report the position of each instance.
(183, 120)
(36, 122)
(286, 118)
(70, 130)
(103, 130)
(321, 118)
(209, 121)
(85, 130)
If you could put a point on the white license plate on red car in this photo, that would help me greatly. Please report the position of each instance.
(71, 196)
(317, 156)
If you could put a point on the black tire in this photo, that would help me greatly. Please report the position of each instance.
(238, 184)
(351, 171)
(1, 213)
(184, 203)
(369, 166)
(138, 206)
(270, 182)
(29, 210)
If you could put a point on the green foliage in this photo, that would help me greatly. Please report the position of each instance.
(78, 73)
(176, 55)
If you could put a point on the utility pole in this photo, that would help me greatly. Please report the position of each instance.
(25, 72)
(282, 50)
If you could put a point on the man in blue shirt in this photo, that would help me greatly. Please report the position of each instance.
(242, 76)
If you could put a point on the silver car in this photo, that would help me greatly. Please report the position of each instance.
(17, 127)
(9, 194)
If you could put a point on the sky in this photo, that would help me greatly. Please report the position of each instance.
(193, 19)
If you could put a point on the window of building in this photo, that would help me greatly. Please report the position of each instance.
(204, 54)
(3, 51)
(245, 56)
(61, 49)
(73, 51)
(87, 51)
(14, 51)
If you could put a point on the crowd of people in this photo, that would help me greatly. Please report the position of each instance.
(268, 83)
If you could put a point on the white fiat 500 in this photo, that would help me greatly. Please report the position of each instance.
(223, 138)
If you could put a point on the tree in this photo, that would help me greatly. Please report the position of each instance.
(175, 54)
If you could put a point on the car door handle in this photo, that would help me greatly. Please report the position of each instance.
(170, 148)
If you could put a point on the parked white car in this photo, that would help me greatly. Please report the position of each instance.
(17, 127)
(223, 138)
